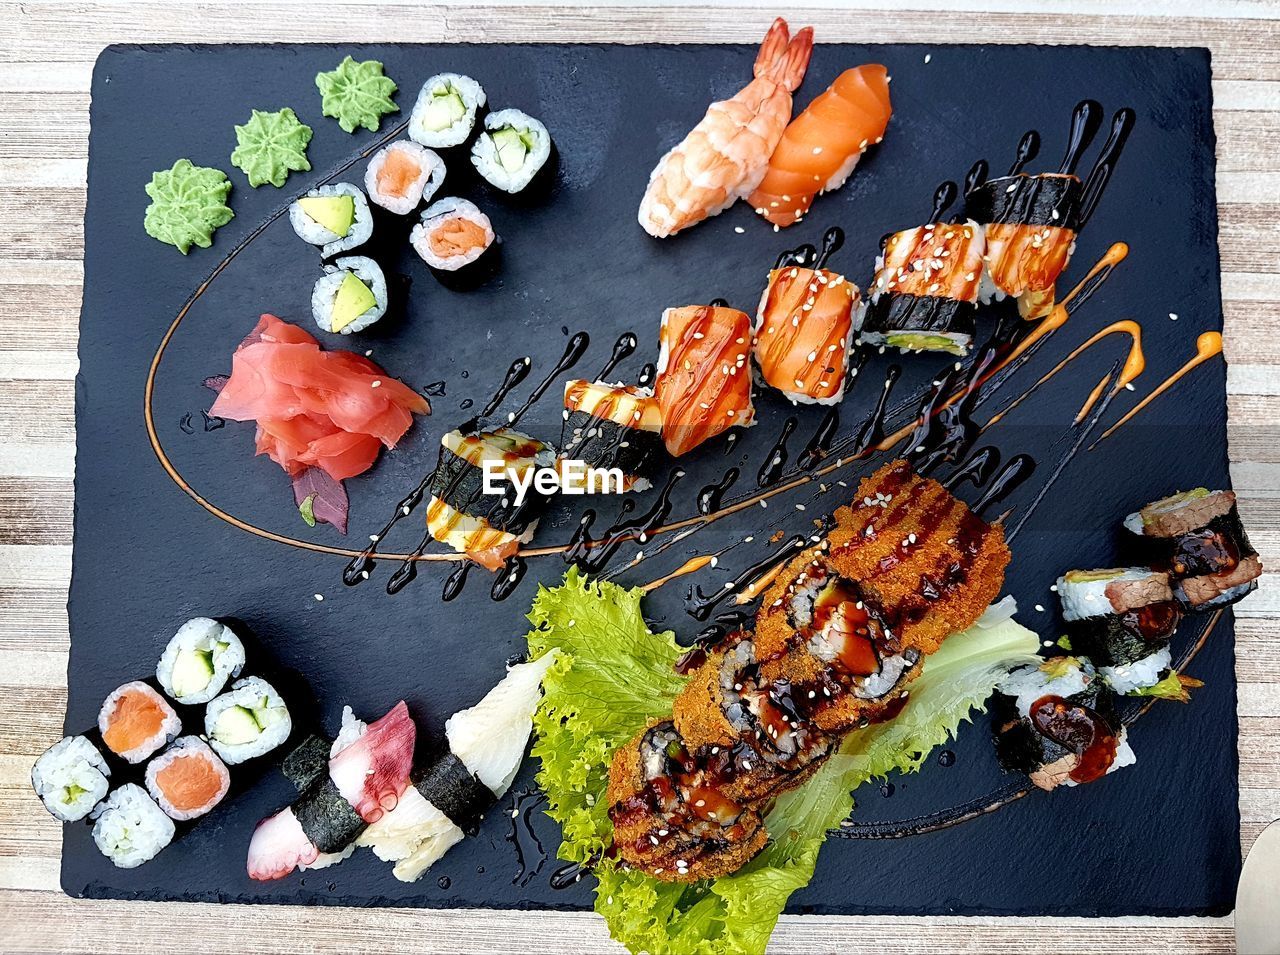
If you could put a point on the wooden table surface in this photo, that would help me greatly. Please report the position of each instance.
(47, 50)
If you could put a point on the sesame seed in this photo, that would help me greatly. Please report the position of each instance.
(738, 229)
(319, 596)
(376, 384)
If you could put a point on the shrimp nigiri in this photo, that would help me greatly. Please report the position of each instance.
(727, 153)
(820, 148)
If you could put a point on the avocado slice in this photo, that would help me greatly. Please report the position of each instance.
(192, 672)
(512, 146)
(236, 726)
(1091, 576)
(445, 109)
(354, 298)
(335, 213)
(919, 341)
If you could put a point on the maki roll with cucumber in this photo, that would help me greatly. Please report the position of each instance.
(199, 660)
(401, 176)
(445, 111)
(350, 296)
(1054, 724)
(71, 778)
(488, 528)
(512, 149)
(453, 233)
(130, 829)
(1123, 620)
(611, 426)
(248, 721)
(1197, 536)
(335, 217)
(925, 293)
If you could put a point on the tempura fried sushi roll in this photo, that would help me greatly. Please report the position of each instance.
(804, 330)
(402, 175)
(925, 293)
(1053, 724)
(71, 778)
(188, 779)
(1030, 224)
(1122, 620)
(199, 660)
(488, 528)
(670, 818)
(336, 218)
(703, 385)
(1197, 536)
(612, 426)
(135, 721)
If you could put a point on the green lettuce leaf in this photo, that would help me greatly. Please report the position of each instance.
(270, 146)
(615, 675)
(356, 94)
(188, 203)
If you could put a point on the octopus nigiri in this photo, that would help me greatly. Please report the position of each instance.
(821, 147)
(726, 155)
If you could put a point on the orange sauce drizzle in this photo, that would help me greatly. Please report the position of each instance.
(690, 566)
(760, 584)
(1208, 346)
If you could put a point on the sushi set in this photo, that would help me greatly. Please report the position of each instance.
(639, 548)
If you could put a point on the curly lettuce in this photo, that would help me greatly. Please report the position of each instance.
(614, 675)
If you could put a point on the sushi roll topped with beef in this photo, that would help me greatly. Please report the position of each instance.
(335, 217)
(612, 426)
(1197, 536)
(925, 293)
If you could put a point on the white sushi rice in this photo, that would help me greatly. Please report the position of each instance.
(427, 184)
(1082, 599)
(216, 643)
(438, 214)
(488, 154)
(130, 828)
(170, 725)
(1060, 676)
(70, 778)
(326, 288)
(330, 242)
(269, 712)
(1137, 675)
(442, 84)
(186, 746)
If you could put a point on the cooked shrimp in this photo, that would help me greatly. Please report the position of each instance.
(727, 153)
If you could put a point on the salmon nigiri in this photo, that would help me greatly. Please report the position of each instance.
(821, 146)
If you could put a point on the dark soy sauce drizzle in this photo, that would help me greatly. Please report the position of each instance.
(976, 176)
(1105, 164)
(523, 806)
(454, 583)
(571, 873)
(517, 373)
(408, 569)
(929, 430)
(820, 443)
(622, 348)
(719, 303)
(943, 196)
(509, 578)
(1028, 149)
(771, 471)
(359, 567)
(1011, 476)
(871, 432)
(593, 555)
(1085, 120)
(699, 605)
(711, 497)
(832, 240)
(434, 389)
(797, 256)
(572, 352)
(647, 373)
(977, 469)
(731, 440)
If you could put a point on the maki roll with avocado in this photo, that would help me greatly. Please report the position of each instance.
(71, 778)
(1123, 620)
(335, 217)
(445, 111)
(199, 660)
(1054, 724)
(248, 721)
(488, 528)
(350, 296)
(925, 293)
(512, 149)
(611, 426)
(453, 233)
(402, 175)
(1197, 536)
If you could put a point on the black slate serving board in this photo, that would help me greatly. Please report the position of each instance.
(1159, 838)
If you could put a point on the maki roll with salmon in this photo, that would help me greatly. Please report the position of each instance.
(1123, 620)
(703, 385)
(199, 660)
(925, 293)
(71, 777)
(1054, 724)
(334, 217)
(350, 296)
(403, 175)
(453, 234)
(449, 797)
(1198, 537)
(135, 721)
(130, 829)
(611, 426)
(445, 112)
(188, 779)
(247, 721)
(513, 149)
(488, 528)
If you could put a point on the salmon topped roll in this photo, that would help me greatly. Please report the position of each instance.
(703, 387)
(821, 147)
(925, 293)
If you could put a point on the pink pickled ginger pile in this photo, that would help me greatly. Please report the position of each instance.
(328, 409)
